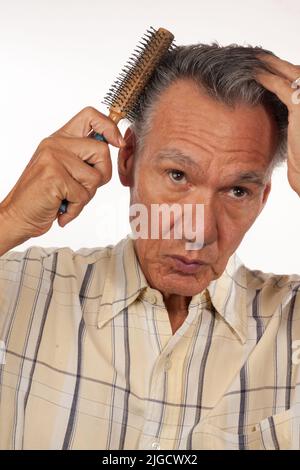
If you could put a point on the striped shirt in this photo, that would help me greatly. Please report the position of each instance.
(91, 361)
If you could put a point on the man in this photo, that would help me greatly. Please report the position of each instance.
(149, 345)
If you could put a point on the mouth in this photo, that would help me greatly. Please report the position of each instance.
(187, 265)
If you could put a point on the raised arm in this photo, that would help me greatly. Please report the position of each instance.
(58, 170)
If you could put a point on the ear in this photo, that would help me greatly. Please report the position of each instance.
(126, 158)
(265, 194)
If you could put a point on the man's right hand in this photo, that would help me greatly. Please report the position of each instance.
(58, 170)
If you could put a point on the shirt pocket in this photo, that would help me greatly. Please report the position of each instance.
(276, 431)
(272, 433)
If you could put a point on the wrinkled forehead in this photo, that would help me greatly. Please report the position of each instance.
(185, 116)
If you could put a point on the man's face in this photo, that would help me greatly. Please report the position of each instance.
(201, 152)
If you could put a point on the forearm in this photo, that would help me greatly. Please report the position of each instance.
(9, 238)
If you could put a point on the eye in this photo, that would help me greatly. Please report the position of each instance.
(239, 192)
(177, 176)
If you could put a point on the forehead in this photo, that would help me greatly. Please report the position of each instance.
(185, 117)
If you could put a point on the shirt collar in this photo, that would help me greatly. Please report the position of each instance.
(228, 295)
(125, 282)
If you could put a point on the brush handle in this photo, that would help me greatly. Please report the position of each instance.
(94, 135)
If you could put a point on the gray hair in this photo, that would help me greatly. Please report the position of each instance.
(227, 74)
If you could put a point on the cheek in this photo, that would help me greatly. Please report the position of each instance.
(151, 186)
(146, 249)
(145, 191)
(149, 253)
(233, 224)
(243, 211)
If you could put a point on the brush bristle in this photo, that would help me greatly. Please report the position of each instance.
(123, 96)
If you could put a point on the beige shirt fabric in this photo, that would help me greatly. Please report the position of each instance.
(91, 362)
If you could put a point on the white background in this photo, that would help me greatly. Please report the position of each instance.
(59, 56)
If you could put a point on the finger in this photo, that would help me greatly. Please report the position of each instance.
(77, 197)
(91, 177)
(278, 85)
(285, 68)
(88, 150)
(90, 119)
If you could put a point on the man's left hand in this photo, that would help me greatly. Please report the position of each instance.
(280, 83)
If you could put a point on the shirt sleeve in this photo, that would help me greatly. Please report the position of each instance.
(20, 279)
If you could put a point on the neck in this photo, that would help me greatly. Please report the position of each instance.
(177, 306)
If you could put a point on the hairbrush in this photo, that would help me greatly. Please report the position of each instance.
(123, 97)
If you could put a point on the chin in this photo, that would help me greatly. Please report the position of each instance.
(181, 284)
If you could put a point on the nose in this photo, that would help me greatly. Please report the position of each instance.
(200, 224)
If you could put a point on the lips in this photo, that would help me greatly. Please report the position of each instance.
(186, 265)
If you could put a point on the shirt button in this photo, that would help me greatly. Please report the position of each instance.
(168, 364)
(155, 445)
(152, 298)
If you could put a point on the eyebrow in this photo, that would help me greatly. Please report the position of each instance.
(249, 177)
(179, 157)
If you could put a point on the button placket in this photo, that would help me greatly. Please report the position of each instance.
(168, 363)
(155, 445)
(152, 410)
